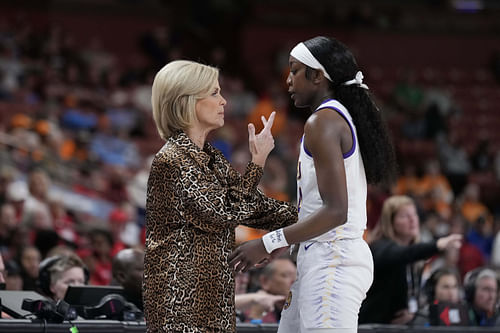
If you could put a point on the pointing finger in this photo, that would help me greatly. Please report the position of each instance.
(264, 120)
(270, 121)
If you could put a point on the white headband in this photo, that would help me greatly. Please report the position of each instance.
(302, 54)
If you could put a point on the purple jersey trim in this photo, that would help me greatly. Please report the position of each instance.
(305, 149)
(351, 151)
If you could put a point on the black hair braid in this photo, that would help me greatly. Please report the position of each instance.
(373, 137)
(374, 142)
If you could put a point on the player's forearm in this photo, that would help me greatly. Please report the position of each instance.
(315, 225)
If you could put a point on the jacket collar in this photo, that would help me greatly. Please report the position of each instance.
(202, 157)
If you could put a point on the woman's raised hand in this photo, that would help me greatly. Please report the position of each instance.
(263, 143)
(453, 241)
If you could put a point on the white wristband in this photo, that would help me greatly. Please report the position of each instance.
(274, 240)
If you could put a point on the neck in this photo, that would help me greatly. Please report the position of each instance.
(317, 101)
(197, 136)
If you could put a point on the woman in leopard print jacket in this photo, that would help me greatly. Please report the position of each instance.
(195, 199)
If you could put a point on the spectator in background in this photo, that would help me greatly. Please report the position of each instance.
(127, 270)
(471, 207)
(481, 235)
(117, 221)
(274, 180)
(45, 240)
(29, 260)
(59, 272)
(264, 301)
(482, 156)
(408, 182)
(479, 218)
(36, 212)
(245, 299)
(470, 256)
(7, 224)
(392, 298)
(115, 190)
(481, 292)
(12, 275)
(435, 191)
(64, 224)
(455, 160)
(275, 279)
(7, 176)
(137, 185)
(102, 242)
(443, 286)
(17, 193)
(407, 94)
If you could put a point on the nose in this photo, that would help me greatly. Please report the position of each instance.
(289, 79)
(223, 100)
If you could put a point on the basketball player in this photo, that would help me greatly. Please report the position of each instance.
(344, 147)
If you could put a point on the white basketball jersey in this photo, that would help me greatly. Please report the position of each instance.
(308, 197)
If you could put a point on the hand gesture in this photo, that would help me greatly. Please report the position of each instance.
(247, 255)
(266, 301)
(261, 144)
(453, 241)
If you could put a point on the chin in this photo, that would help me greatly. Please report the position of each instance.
(298, 104)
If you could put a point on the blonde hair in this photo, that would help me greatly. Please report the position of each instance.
(63, 264)
(389, 210)
(176, 88)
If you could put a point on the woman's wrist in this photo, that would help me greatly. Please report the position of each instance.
(259, 161)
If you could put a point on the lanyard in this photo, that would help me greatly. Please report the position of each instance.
(412, 291)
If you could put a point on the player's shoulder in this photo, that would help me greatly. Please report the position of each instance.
(324, 119)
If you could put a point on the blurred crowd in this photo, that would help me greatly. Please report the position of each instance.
(77, 138)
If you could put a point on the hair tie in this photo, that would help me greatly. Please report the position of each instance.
(358, 80)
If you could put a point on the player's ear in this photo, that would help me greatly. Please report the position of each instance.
(317, 76)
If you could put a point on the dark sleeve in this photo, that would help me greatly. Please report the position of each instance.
(388, 253)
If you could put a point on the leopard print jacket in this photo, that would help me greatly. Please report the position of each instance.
(195, 199)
